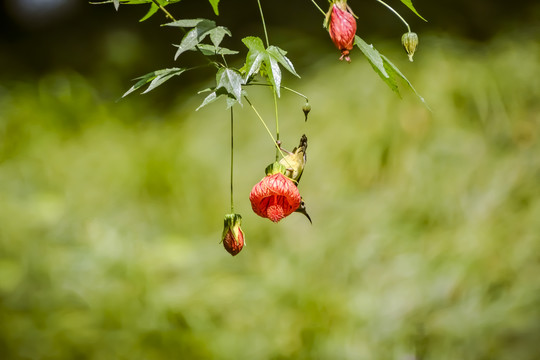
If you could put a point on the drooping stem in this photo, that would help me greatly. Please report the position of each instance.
(263, 23)
(232, 161)
(277, 119)
(265, 126)
(162, 8)
(397, 14)
(318, 7)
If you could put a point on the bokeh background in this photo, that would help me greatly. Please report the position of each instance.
(425, 239)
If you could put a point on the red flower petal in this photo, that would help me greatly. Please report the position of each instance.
(274, 197)
(342, 30)
(231, 245)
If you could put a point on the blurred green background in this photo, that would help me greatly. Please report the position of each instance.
(424, 243)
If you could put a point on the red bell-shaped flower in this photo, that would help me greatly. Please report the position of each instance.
(342, 27)
(275, 197)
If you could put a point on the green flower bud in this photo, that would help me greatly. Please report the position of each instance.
(410, 42)
(306, 109)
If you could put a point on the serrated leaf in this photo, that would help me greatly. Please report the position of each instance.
(217, 35)
(153, 6)
(161, 78)
(392, 69)
(216, 94)
(255, 55)
(195, 36)
(230, 80)
(186, 22)
(155, 78)
(372, 55)
(129, 2)
(279, 55)
(207, 100)
(209, 50)
(266, 61)
(274, 72)
(409, 4)
(386, 70)
(214, 4)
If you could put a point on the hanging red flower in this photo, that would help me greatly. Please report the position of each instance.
(233, 236)
(342, 27)
(275, 197)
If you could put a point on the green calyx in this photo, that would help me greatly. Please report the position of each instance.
(409, 40)
(275, 168)
(232, 223)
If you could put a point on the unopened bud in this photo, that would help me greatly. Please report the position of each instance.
(233, 236)
(342, 27)
(410, 42)
(306, 109)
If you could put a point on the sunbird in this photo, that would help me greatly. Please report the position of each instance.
(294, 163)
(302, 210)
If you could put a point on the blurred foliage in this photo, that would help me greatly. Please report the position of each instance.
(424, 242)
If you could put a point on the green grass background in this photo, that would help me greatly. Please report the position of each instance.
(425, 239)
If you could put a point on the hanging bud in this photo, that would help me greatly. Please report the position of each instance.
(233, 236)
(342, 27)
(275, 196)
(409, 40)
(306, 109)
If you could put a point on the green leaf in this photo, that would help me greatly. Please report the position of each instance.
(155, 78)
(216, 94)
(279, 55)
(387, 71)
(186, 22)
(194, 36)
(210, 50)
(255, 56)
(230, 80)
(153, 6)
(132, 2)
(153, 9)
(273, 72)
(209, 99)
(372, 55)
(409, 4)
(217, 35)
(394, 71)
(266, 61)
(214, 4)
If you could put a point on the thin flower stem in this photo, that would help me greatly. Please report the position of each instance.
(277, 119)
(395, 12)
(273, 88)
(232, 161)
(317, 6)
(263, 23)
(265, 126)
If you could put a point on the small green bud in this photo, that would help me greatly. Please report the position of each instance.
(306, 109)
(410, 42)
